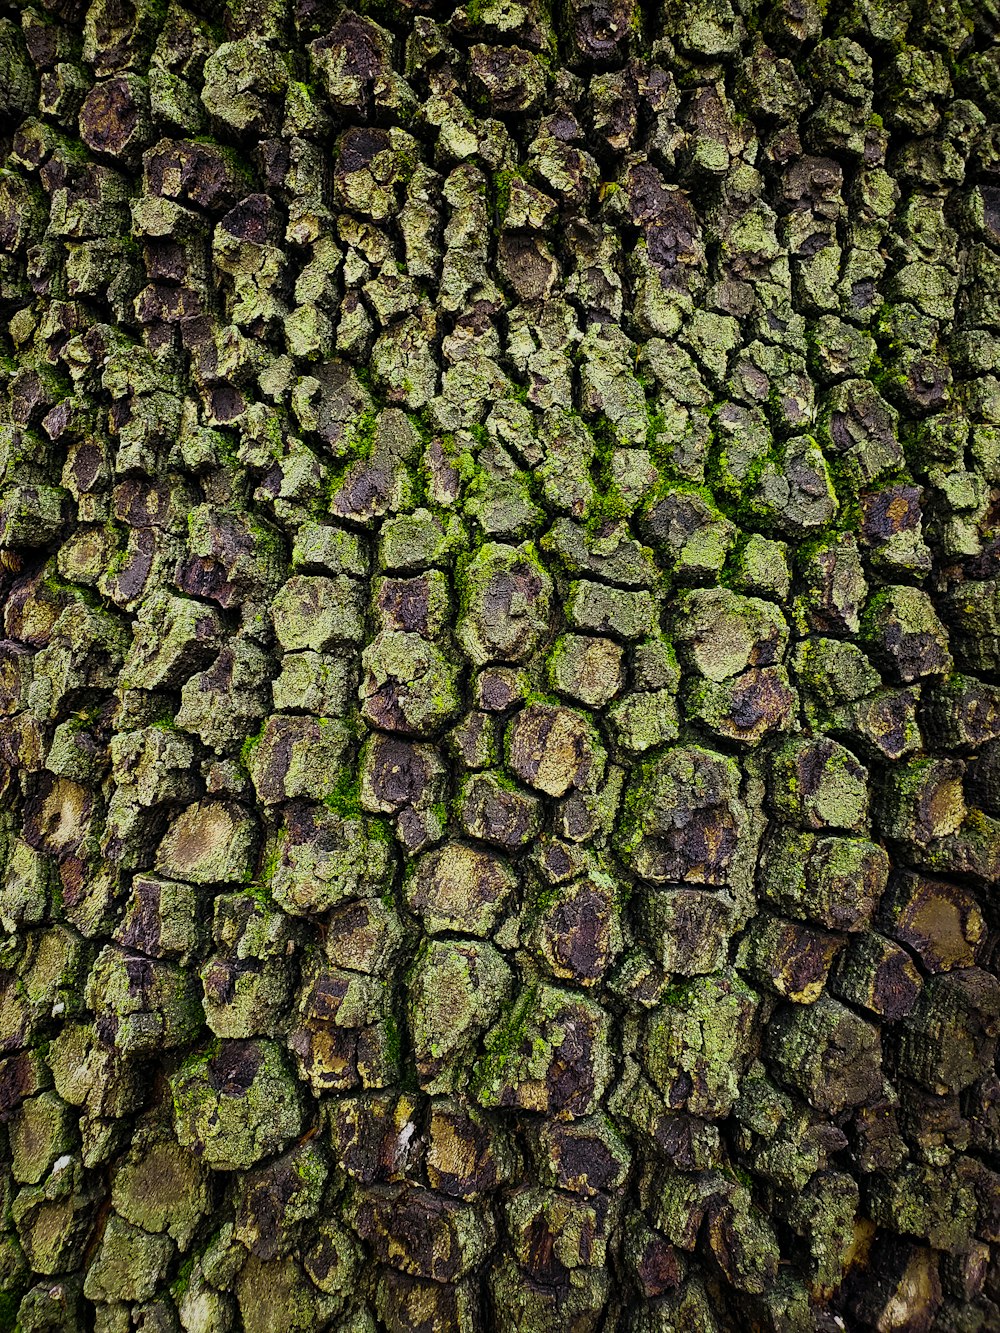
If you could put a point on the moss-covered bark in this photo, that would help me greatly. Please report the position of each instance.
(500, 666)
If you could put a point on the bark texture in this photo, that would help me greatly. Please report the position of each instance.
(500, 666)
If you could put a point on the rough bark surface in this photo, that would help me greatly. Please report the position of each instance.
(500, 666)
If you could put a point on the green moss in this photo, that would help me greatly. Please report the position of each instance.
(310, 1169)
(366, 378)
(182, 1281)
(677, 995)
(656, 425)
(502, 181)
(606, 508)
(848, 518)
(547, 896)
(165, 723)
(607, 504)
(541, 697)
(197, 1059)
(503, 1043)
(267, 872)
(261, 895)
(55, 584)
(631, 822)
(504, 781)
(345, 797)
(378, 831)
(419, 422)
(85, 718)
(393, 1040)
(249, 746)
(739, 1173)
(421, 481)
(363, 432)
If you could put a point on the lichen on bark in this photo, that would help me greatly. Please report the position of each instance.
(500, 666)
